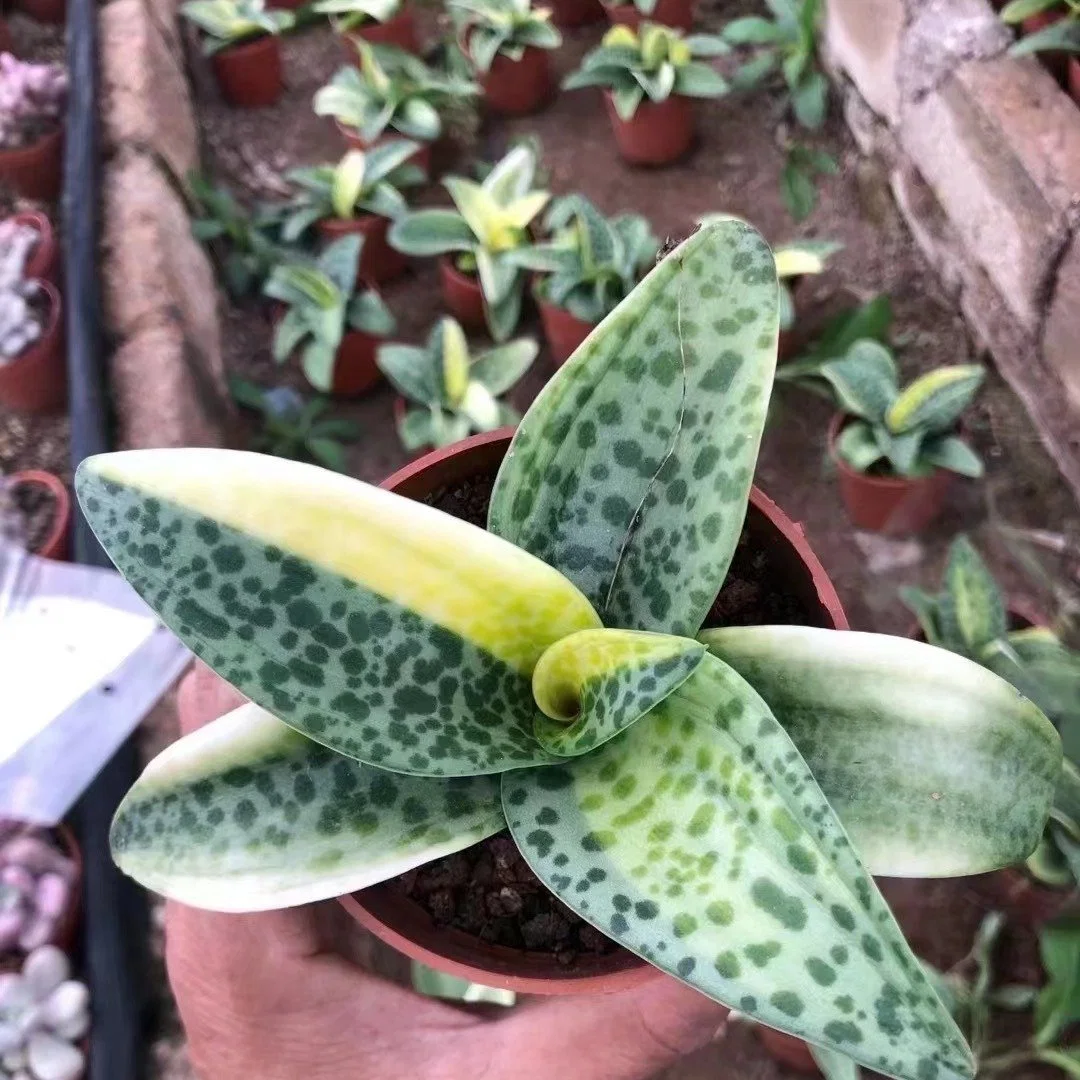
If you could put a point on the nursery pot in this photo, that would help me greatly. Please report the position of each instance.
(462, 294)
(43, 261)
(399, 31)
(36, 381)
(355, 141)
(378, 260)
(657, 134)
(355, 369)
(7, 45)
(53, 12)
(564, 331)
(518, 87)
(249, 74)
(57, 541)
(567, 14)
(894, 505)
(34, 171)
(404, 924)
(676, 13)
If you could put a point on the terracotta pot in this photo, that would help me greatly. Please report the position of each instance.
(44, 259)
(249, 74)
(355, 370)
(53, 12)
(1026, 900)
(518, 87)
(406, 926)
(1074, 78)
(35, 171)
(657, 134)
(462, 295)
(676, 13)
(1056, 61)
(567, 14)
(564, 332)
(378, 260)
(399, 31)
(355, 141)
(895, 506)
(7, 44)
(36, 381)
(57, 542)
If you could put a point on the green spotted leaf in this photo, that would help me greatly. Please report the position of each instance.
(245, 814)
(936, 767)
(699, 839)
(631, 471)
(380, 627)
(593, 684)
(971, 607)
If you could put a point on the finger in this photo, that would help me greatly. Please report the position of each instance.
(203, 697)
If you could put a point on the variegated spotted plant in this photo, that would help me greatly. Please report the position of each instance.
(715, 804)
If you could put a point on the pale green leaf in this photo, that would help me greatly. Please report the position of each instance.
(935, 400)
(952, 453)
(409, 370)
(432, 232)
(858, 446)
(864, 380)
(1058, 1004)
(500, 368)
(971, 601)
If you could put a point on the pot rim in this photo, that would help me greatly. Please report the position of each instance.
(62, 505)
(446, 263)
(637, 970)
(259, 42)
(41, 145)
(52, 322)
(837, 424)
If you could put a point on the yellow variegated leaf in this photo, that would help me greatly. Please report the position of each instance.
(620, 35)
(935, 400)
(455, 361)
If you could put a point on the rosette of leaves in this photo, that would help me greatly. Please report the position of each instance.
(600, 259)
(455, 393)
(969, 617)
(363, 182)
(349, 14)
(489, 28)
(391, 90)
(652, 63)
(715, 805)
(787, 43)
(1061, 35)
(230, 22)
(321, 305)
(909, 432)
(488, 233)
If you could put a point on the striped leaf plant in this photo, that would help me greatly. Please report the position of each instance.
(716, 802)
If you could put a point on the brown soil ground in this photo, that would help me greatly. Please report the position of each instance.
(734, 168)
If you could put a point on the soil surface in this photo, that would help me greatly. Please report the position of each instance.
(38, 509)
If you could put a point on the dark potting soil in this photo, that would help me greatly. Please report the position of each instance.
(488, 890)
(37, 507)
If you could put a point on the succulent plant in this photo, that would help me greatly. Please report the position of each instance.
(717, 806)
(36, 887)
(488, 28)
(653, 62)
(349, 14)
(1061, 35)
(489, 230)
(230, 22)
(321, 305)
(44, 1013)
(913, 431)
(32, 100)
(391, 90)
(797, 259)
(361, 182)
(457, 393)
(600, 259)
(21, 322)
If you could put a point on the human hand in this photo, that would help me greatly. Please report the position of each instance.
(269, 995)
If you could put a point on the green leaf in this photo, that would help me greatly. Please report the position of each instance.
(410, 371)
(752, 30)
(952, 453)
(327, 452)
(246, 815)
(810, 100)
(1063, 36)
(858, 446)
(426, 980)
(417, 429)
(952, 739)
(935, 400)
(700, 81)
(1019, 10)
(864, 380)
(798, 190)
(479, 407)
(432, 232)
(925, 608)
(348, 183)
(699, 840)
(707, 45)
(1058, 1004)
(502, 367)
(755, 71)
(666, 397)
(512, 176)
(317, 361)
(972, 601)
(368, 312)
(626, 100)
(504, 316)
(314, 613)
(834, 1065)
(1067, 1060)
(339, 262)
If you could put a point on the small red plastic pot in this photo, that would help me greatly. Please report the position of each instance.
(1074, 78)
(399, 31)
(44, 259)
(893, 505)
(657, 134)
(676, 13)
(7, 44)
(406, 926)
(463, 295)
(249, 74)
(378, 260)
(355, 141)
(34, 171)
(36, 381)
(566, 14)
(564, 332)
(518, 87)
(355, 369)
(56, 545)
(53, 12)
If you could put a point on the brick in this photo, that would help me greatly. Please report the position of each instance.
(145, 102)
(864, 39)
(1061, 335)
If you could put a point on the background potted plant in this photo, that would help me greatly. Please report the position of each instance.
(896, 452)
(33, 373)
(241, 39)
(648, 80)
(41, 504)
(335, 329)
(600, 261)
(51, 12)
(489, 234)
(456, 393)
(796, 261)
(661, 771)
(786, 43)
(362, 195)
(507, 43)
(1051, 30)
(34, 228)
(382, 22)
(392, 93)
(678, 14)
(32, 101)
